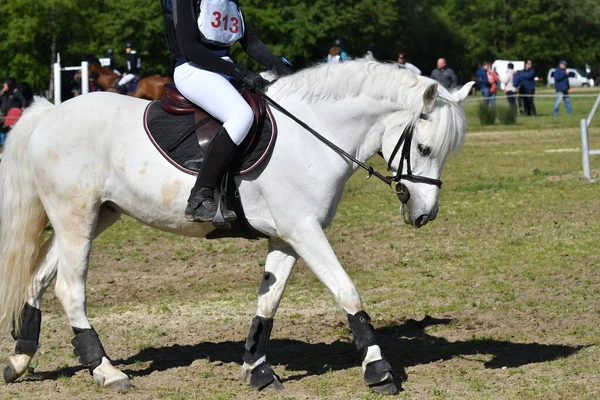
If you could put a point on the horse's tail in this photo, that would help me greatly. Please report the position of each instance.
(22, 217)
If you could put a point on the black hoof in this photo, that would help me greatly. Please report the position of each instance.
(9, 373)
(379, 376)
(273, 386)
(386, 387)
(122, 386)
(263, 378)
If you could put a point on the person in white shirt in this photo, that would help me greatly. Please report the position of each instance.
(402, 61)
(509, 87)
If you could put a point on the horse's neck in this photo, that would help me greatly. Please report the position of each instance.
(107, 79)
(354, 124)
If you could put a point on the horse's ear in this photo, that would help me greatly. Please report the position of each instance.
(430, 95)
(464, 91)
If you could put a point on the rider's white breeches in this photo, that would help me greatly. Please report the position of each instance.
(217, 96)
(126, 79)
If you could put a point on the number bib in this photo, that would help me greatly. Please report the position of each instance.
(220, 22)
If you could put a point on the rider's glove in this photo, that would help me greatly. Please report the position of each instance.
(250, 79)
(282, 66)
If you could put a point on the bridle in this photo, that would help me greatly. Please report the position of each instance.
(403, 146)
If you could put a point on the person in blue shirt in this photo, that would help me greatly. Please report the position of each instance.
(527, 79)
(561, 84)
(483, 82)
(343, 55)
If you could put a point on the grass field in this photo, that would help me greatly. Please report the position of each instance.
(499, 298)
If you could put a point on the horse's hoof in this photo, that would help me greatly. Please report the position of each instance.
(122, 385)
(10, 373)
(273, 386)
(386, 387)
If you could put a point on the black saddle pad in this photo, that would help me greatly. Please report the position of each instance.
(175, 138)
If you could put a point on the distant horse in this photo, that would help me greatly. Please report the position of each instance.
(101, 164)
(147, 88)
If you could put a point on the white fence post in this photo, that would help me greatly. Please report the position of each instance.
(585, 142)
(85, 82)
(57, 83)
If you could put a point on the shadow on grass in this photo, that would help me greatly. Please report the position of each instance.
(404, 345)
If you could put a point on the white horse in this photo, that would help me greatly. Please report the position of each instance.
(82, 164)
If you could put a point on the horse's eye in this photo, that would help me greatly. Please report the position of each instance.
(424, 150)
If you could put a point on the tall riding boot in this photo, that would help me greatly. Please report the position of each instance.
(202, 206)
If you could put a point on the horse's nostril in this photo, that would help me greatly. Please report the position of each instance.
(422, 220)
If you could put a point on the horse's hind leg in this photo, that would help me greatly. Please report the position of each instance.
(75, 232)
(16, 365)
(280, 262)
(29, 335)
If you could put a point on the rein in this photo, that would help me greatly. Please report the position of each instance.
(393, 181)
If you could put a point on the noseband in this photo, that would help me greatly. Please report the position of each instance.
(395, 181)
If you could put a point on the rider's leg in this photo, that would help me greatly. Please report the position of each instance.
(124, 82)
(220, 99)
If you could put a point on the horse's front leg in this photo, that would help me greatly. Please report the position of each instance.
(312, 245)
(280, 262)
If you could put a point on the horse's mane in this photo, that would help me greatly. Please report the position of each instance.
(383, 82)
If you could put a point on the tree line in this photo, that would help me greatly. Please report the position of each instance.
(463, 32)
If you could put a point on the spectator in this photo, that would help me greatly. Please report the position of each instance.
(444, 75)
(528, 83)
(484, 82)
(402, 60)
(561, 84)
(520, 93)
(11, 97)
(343, 55)
(334, 56)
(509, 87)
(493, 80)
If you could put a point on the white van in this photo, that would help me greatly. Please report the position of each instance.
(500, 67)
(577, 78)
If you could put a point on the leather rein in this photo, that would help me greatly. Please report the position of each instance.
(403, 146)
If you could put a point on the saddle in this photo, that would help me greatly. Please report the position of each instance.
(182, 132)
(175, 103)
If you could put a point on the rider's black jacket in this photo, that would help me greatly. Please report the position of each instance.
(183, 38)
(133, 63)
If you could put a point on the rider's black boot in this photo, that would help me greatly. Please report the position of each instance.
(123, 89)
(202, 206)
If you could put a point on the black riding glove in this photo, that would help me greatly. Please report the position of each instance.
(282, 66)
(250, 79)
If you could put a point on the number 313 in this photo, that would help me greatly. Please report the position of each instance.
(224, 21)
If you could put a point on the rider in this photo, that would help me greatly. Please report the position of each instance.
(199, 35)
(110, 54)
(133, 64)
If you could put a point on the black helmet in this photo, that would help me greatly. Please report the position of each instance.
(110, 52)
(129, 44)
(338, 42)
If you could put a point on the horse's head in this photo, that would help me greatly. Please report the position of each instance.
(416, 146)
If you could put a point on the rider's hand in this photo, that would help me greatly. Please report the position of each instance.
(250, 79)
(282, 66)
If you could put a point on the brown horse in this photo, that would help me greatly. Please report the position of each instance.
(148, 88)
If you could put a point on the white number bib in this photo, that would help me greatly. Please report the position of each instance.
(220, 22)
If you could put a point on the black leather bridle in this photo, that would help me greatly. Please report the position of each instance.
(403, 146)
